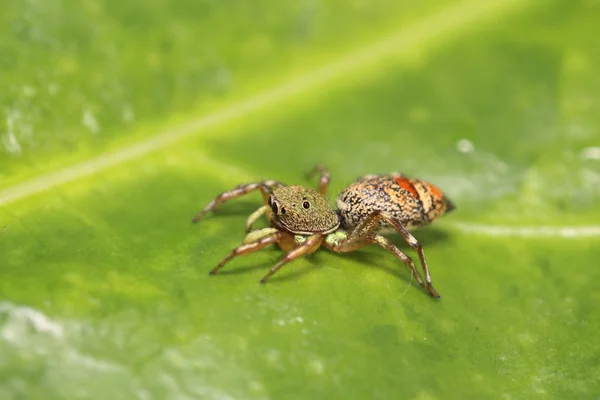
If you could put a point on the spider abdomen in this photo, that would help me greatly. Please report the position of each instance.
(414, 202)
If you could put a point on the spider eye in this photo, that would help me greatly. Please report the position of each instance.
(274, 207)
(306, 205)
(283, 210)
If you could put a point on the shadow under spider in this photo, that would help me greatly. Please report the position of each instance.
(368, 256)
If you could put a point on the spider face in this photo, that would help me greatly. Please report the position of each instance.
(301, 211)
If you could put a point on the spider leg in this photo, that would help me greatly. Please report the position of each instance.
(266, 187)
(324, 178)
(255, 216)
(388, 245)
(364, 234)
(371, 176)
(416, 246)
(309, 246)
(248, 248)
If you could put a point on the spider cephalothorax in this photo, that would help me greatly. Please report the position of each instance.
(301, 211)
(301, 219)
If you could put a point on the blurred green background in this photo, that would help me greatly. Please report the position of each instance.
(120, 120)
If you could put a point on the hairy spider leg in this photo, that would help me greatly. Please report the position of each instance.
(371, 176)
(309, 246)
(256, 241)
(324, 178)
(365, 233)
(416, 246)
(255, 216)
(266, 187)
(248, 248)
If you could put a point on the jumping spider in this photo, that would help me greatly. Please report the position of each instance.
(301, 219)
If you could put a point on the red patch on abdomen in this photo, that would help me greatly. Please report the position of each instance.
(406, 185)
(435, 192)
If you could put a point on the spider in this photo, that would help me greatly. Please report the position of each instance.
(301, 219)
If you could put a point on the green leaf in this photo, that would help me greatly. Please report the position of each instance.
(104, 282)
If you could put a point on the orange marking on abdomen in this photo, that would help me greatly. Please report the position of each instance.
(406, 185)
(435, 192)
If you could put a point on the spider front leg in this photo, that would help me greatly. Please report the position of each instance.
(364, 234)
(324, 178)
(309, 246)
(262, 238)
(253, 242)
(266, 187)
(255, 216)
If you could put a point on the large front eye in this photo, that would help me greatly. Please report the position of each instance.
(274, 207)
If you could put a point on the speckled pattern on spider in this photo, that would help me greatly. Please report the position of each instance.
(413, 202)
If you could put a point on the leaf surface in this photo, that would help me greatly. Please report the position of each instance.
(104, 282)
